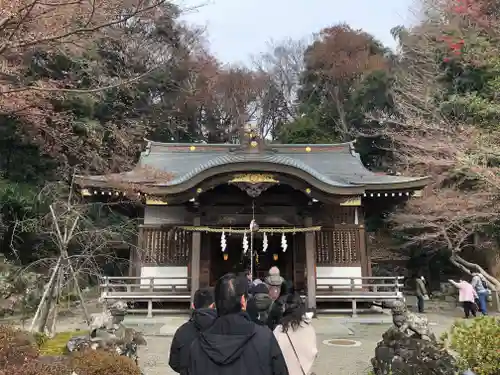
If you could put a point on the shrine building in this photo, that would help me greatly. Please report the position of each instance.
(309, 203)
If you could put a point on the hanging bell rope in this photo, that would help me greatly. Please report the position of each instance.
(243, 231)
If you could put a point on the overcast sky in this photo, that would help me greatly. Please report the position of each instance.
(239, 28)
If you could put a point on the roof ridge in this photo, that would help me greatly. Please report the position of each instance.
(284, 145)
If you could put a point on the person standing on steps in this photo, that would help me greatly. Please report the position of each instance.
(273, 280)
(233, 344)
(203, 316)
(422, 293)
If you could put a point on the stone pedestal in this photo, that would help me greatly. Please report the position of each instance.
(410, 348)
(398, 353)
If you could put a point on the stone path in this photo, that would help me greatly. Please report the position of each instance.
(331, 360)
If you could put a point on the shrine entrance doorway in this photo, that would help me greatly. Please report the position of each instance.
(290, 262)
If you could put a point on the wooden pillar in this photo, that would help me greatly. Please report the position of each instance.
(364, 253)
(195, 258)
(310, 266)
(364, 257)
(132, 261)
(139, 253)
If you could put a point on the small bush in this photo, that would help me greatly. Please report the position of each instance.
(97, 362)
(16, 347)
(478, 345)
(40, 339)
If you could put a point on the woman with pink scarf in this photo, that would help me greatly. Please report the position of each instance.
(467, 295)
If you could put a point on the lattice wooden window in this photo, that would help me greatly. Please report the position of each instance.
(346, 246)
(324, 247)
(166, 246)
(344, 215)
(337, 246)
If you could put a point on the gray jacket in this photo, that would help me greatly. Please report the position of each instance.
(477, 283)
(421, 289)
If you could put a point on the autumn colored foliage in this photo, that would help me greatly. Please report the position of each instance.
(19, 355)
(342, 52)
(446, 127)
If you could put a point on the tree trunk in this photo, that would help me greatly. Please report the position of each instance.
(466, 266)
(47, 294)
(46, 303)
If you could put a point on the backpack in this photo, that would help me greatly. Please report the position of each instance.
(274, 292)
(485, 284)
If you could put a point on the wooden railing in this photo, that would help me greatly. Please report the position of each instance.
(367, 289)
(176, 289)
(146, 289)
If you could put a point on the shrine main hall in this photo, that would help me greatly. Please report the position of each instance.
(196, 203)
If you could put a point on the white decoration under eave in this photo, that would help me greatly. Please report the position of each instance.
(245, 243)
(284, 244)
(223, 243)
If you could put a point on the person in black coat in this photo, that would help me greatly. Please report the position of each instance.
(259, 304)
(234, 344)
(202, 317)
(278, 307)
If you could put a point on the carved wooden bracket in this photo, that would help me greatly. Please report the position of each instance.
(254, 190)
(254, 184)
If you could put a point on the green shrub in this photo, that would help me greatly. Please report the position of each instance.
(57, 344)
(478, 345)
(40, 339)
(97, 362)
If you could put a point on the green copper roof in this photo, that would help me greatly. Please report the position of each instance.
(330, 166)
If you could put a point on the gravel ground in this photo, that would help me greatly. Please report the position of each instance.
(331, 360)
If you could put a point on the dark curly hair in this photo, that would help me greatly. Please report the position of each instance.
(293, 314)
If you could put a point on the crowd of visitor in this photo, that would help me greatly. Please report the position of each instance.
(245, 326)
(473, 294)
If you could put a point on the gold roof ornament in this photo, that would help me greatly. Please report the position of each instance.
(351, 202)
(254, 178)
(153, 201)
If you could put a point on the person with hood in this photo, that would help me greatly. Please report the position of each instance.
(259, 304)
(203, 316)
(273, 281)
(234, 344)
(296, 336)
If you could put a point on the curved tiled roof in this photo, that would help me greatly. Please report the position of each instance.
(334, 165)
